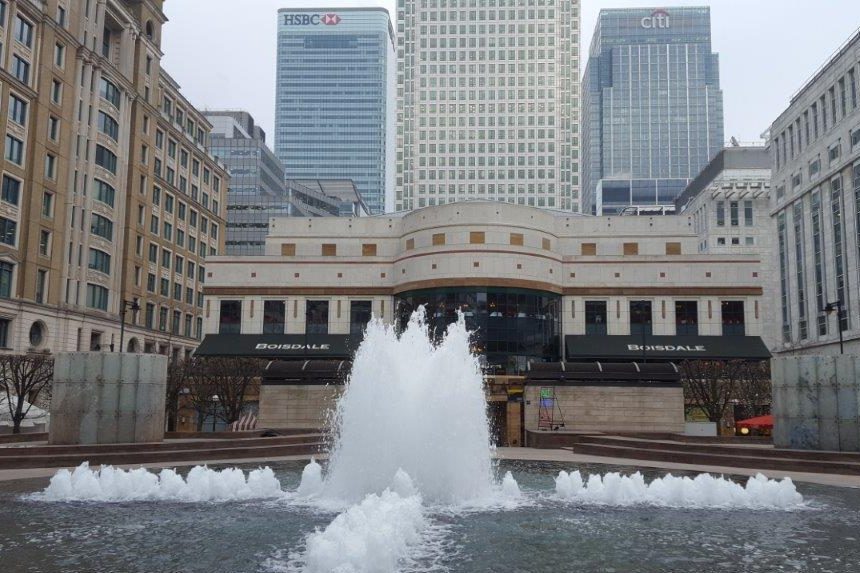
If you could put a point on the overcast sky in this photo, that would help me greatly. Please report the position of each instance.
(222, 52)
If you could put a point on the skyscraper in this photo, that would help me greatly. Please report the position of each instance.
(334, 111)
(652, 105)
(488, 102)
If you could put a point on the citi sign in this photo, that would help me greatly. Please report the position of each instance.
(657, 19)
(311, 19)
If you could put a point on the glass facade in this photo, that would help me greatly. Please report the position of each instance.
(511, 326)
(652, 107)
(334, 98)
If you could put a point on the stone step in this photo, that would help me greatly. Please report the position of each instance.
(131, 458)
(168, 445)
(756, 451)
(717, 459)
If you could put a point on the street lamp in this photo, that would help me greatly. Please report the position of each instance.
(837, 306)
(134, 306)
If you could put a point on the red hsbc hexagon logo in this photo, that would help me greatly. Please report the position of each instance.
(331, 19)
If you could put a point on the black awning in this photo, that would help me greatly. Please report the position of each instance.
(306, 372)
(674, 348)
(602, 373)
(280, 346)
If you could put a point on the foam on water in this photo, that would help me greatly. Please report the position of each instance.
(702, 491)
(110, 484)
(412, 404)
(312, 482)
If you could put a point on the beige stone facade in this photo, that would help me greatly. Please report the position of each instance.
(305, 406)
(625, 409)
(112, 167)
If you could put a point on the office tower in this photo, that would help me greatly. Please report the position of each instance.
(652, 107)
(488, 103)
(815, 147)
(334, 107)
(111, 202)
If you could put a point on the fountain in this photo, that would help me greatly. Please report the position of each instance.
(410, 485)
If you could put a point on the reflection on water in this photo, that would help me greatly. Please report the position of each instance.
(541, 534)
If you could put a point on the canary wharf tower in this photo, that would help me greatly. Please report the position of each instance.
(488, 102)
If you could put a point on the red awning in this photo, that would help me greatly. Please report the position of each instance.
(759, 422)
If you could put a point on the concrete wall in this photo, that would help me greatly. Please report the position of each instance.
(816, 402)
(611, 408)
(296, 406)
(105, 398)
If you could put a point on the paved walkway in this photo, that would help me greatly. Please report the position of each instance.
(529, 454)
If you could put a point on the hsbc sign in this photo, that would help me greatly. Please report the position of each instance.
(311, 19)
(657, 19)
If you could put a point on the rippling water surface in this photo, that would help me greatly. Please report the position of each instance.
(537, 533)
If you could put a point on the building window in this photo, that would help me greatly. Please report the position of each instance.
(640, 317)
(782, 235)
(595, 317)
(17, 110)
(97, 297)
(834, 153)
(108, 126)
(748, 213)
(316, 317)
(11, 190)
(53, 128)
(6, 273)
(673, 248)
(274, 316)
(733, 317)
(14, 150)
(721, 213)
(438, 239)
(5, 323)
(45, 243)
(230, 321)
(368, 250)
(56, 92)
(37, 333)
(106, 158)
(839, 249)
(109, 92)
(103, 192)
(687, 317)
(24, 31)
(99, 261)
(800, 261)
(59, 55)
(47, 205)
(41, 285)
(21, 69)
(734, 214)
(8, 231)
(177, 319)
(328, 249)
(50, 166)
(818, 260)
(162, 319)
(631, 248)
(101, 227)
(476, 237)
(360, 313)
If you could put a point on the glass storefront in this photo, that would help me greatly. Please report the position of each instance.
(511, 326)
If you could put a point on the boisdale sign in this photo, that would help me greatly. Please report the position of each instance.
(311, 19)
(286, 346)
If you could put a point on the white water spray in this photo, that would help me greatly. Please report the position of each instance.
(415, 406)
(110, 484)
(703, 491)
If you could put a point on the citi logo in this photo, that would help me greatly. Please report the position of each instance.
(657, 19)
(331, 19)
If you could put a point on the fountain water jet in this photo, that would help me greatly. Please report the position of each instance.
(415, 406)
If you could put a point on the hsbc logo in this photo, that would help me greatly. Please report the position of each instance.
(311, 19)
(657, 19)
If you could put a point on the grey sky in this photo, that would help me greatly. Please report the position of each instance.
(222, 52)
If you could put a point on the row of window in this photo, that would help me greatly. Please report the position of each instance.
(275, 316)
(686, 317)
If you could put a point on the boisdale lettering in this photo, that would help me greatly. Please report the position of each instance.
(263, 346)
(666, 348)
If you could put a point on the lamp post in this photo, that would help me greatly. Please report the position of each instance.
(134, 306)
(837, 306)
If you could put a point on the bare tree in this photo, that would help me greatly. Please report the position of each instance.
(754, 392)
(220, 387)
(710, 385)
(24, 377)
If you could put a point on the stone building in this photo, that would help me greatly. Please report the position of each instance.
(535, 285)
(111, 201)
(815, 152)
